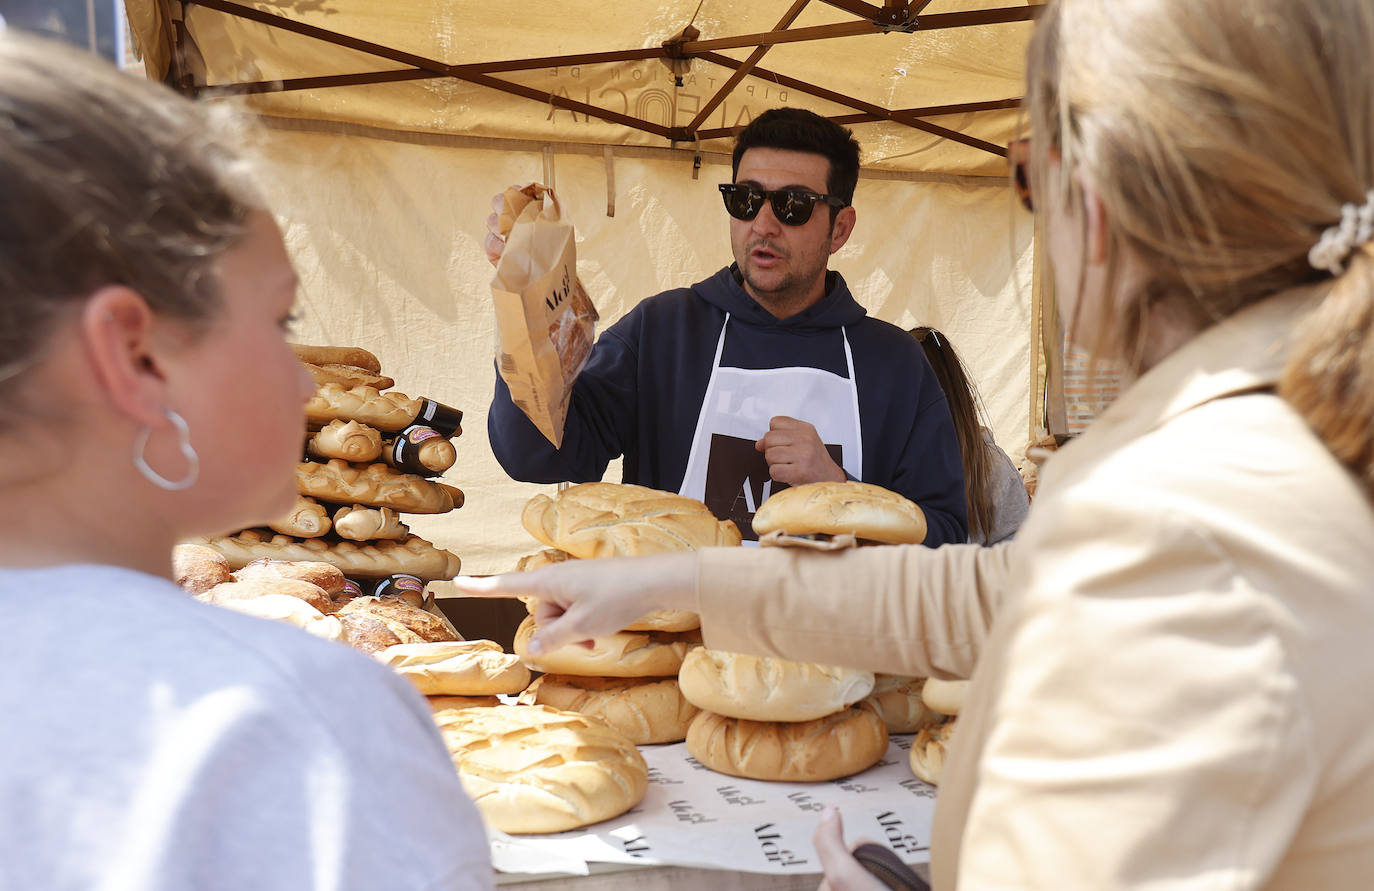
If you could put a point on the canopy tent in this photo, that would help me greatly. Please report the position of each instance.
(389, 126)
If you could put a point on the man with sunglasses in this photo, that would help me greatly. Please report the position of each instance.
(767, 374)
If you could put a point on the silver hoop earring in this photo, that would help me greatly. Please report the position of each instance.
(192, 459)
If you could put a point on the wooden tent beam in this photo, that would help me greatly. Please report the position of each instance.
(934, 22)
(863, 118)
(743, 71)
(860, 105)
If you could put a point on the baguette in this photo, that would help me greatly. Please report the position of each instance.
(306, 520)
(374, 560)
(329, 355)
(347, 440)
(359, 523)
(197, 569)
(348, 375)
(391, 412)
(323, 575)
(375, 485)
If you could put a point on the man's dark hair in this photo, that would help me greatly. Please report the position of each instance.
(799, 130)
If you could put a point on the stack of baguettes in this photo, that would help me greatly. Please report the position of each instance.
(629, 679)
(773, 719)
(370, 456)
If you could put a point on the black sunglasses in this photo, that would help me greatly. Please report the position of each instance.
(792, 207)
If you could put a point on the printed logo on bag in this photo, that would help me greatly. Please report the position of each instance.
(686, 813)
(918, 788)
(770, 842)
(560, 293)
(733, 795)
(738, 481)
(805, 802)
(895, 831)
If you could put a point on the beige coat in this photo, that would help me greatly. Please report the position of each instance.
(1175, 656)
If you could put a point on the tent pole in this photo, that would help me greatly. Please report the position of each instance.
(743, 71)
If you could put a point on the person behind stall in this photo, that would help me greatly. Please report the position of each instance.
(148, 394)
(993, 488)
(768, 372)
(1164, 659)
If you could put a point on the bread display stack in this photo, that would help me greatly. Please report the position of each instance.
(772, 719)
(628, 679)
(371, 455)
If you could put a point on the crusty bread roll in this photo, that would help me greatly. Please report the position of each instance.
(375, 485)
(530, 768)
(443, 703)
(619, 520)
(897, 701)
(331, 355)
(371, 634)
(390, 411)
(945, 697)
(325, 576)
(395, 612)
(540, 559)
(647, 710)
(626, 654)
(358, 523)
(348, 376)
(928, 750)
(292, 611)
(869, 512)
(837, 745)
(308, 519)
(245, 590)
(372, 560)
(763, 688)
(457, 668)
(346, 440)
(197, 568)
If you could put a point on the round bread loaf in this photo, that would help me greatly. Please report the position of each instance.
(368, 633)
(648, 711)
(762, 688)
(620, 520)
(837, 745)
(866, 511)
(395, 612)
(197, 568)
(457, 668)
(945, 697)
(626, 654)
(445, 703)
(928, 751)
(292, 611)
(327, 577)
(531, 769)
(250, 588)
(897, 700)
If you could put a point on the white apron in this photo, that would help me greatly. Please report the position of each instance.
(725, 471)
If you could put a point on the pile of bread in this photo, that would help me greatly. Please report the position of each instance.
(629, 679)
(369, 456)
(529, 769)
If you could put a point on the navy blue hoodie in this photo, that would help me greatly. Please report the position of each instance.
(641, 392)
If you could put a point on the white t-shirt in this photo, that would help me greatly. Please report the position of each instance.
(150, 741)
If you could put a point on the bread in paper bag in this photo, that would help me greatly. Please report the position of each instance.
(545, 322)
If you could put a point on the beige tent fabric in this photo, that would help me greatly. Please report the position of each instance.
(386, 235)
(894, 71)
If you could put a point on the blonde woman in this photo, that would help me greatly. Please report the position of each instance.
(1171, 658)
(147, 393)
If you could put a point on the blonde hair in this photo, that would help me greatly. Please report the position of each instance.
(1224, 137)
(107, 179)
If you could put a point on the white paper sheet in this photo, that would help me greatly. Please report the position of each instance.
(693, 816)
